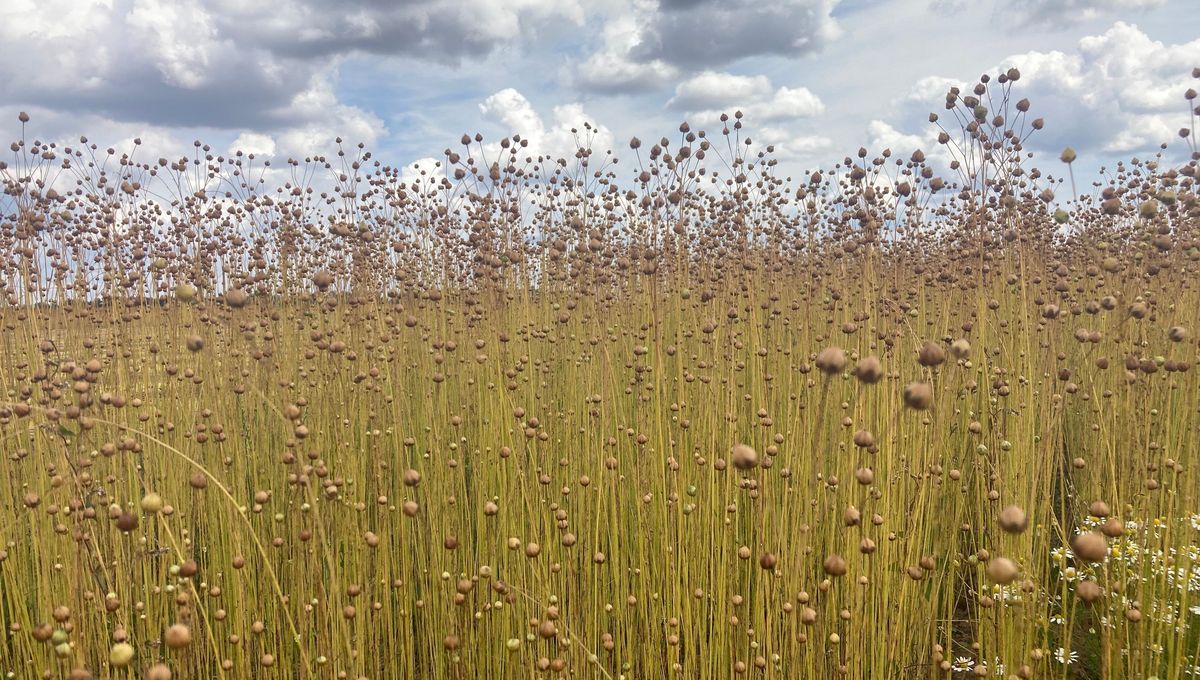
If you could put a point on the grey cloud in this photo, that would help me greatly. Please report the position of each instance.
(680, 4)
(231, 100)
(436, 31)
(230, 64)
(1056, 13)
(703, 34)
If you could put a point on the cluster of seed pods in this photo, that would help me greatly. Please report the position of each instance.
(652, 414)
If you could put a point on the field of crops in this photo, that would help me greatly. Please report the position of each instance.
(674, 416)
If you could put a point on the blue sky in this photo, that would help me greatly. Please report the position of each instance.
(817, 78)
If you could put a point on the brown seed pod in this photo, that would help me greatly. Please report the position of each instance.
(868, 370)
(864, 475)
(960, 348)
(835, 565)
(1089, 591)
(743, 457)
(1002, 570)
(767, 561)
(1090, 546)
(127, 521)
(931, 354)
(1099, 509)
(831, 360)
(323, 279)
(918, 395)
(852, 517)
(1113, 528)
(1013, 520)
(178, 636)
(236, 298)
(42, 632)
(195, 343)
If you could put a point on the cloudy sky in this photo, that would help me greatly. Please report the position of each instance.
(817, 78)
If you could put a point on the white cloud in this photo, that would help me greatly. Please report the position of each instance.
(180, 37)
(228, 64)
(327, 119)
(510, 107)
(424, 172)
(255, 143)
(790, 102)
(709, 94)
(1114, 93)
(791, 147)
(64, 128)
(710, 89)
(1118, 91)
(284, 78)
(54, 52)
(770, 115)
(560, 139)
(611, 69)
(881, 135)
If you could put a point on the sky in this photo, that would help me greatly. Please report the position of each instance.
(816, 78)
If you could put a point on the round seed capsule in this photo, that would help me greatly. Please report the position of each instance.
(744, 457)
